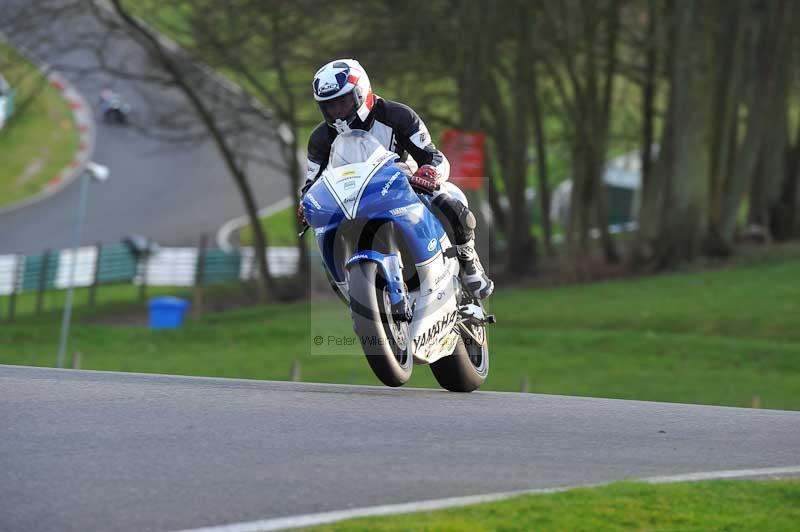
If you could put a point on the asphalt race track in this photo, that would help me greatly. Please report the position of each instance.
(171, 193)
(113, 451)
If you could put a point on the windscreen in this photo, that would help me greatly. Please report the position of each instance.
(355, 146)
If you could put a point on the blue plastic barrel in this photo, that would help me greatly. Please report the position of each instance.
(167, 312)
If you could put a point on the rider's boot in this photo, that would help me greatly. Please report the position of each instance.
(463, 223)
(472, 273)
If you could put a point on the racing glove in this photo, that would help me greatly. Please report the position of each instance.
(425, 179)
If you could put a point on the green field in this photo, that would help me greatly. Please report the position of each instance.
(279, 228)
(38, 143)
(712, 505)
(723, 337)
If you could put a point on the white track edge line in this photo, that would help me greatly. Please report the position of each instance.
(282, 523)
(715, 475)
(224, 233)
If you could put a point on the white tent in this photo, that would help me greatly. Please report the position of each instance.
(623, 173)
(5, 101)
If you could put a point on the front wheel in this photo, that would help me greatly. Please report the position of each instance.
(467, 367)
(383, 339)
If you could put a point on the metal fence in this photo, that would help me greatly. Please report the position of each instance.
(115, 264)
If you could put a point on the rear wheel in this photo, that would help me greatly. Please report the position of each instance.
(466, 369)
(383, 339)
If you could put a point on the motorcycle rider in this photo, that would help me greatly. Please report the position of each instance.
(112, 107)
(345, 98)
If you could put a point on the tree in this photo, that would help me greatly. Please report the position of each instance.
(578, 47)
(776, 200)
(472, 77)
(785, 212)
(190, 81)
(770, 36)
(672, 219)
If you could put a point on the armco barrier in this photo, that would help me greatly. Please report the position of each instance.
(116, 264)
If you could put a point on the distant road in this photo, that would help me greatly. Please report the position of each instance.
(166, 192)
(88, 451)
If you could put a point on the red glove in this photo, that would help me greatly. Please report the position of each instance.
(425, 179)
(301, 215)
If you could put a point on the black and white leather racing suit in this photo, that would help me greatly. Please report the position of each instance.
(400, 129)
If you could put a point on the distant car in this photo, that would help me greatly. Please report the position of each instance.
(113, 108)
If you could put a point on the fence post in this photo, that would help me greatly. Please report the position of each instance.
(96, 277)
(199, 273)
(42, 282)
(12, 300)
(142, 264)
(294, 371)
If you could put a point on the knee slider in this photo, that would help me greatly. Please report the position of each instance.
(467, 219)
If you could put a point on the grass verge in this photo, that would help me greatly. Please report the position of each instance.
(40, 142)
(278, 226)
(711, 505)
(724, 337)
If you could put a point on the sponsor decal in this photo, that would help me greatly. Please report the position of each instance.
(440, 295)
(443, 325)
(346, 176)
(421, 138)
(442, 275)
(349, 184)
(432, 244)
(398, 211)
(328, 86)
(351, 199)
(313, 201)
(388, 184)
(446, 343)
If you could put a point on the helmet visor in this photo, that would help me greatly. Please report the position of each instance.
(340, 108)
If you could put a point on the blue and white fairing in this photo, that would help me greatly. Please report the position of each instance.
(362, 184)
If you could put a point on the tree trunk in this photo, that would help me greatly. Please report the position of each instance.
(672, 220)
(543, 183)
(522, 246)
(784, 216)
(649, 94)
(773, 39)
(475, 55)
(592, 121)
(511, 142)
(609, 73)
(728, 89)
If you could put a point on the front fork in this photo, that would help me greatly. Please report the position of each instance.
(392, 268)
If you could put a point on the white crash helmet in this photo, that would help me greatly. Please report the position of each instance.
(343, 84)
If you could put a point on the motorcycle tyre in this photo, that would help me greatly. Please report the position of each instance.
(370, 314)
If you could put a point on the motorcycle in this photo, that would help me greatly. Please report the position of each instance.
(390, 258)
(113, 108)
